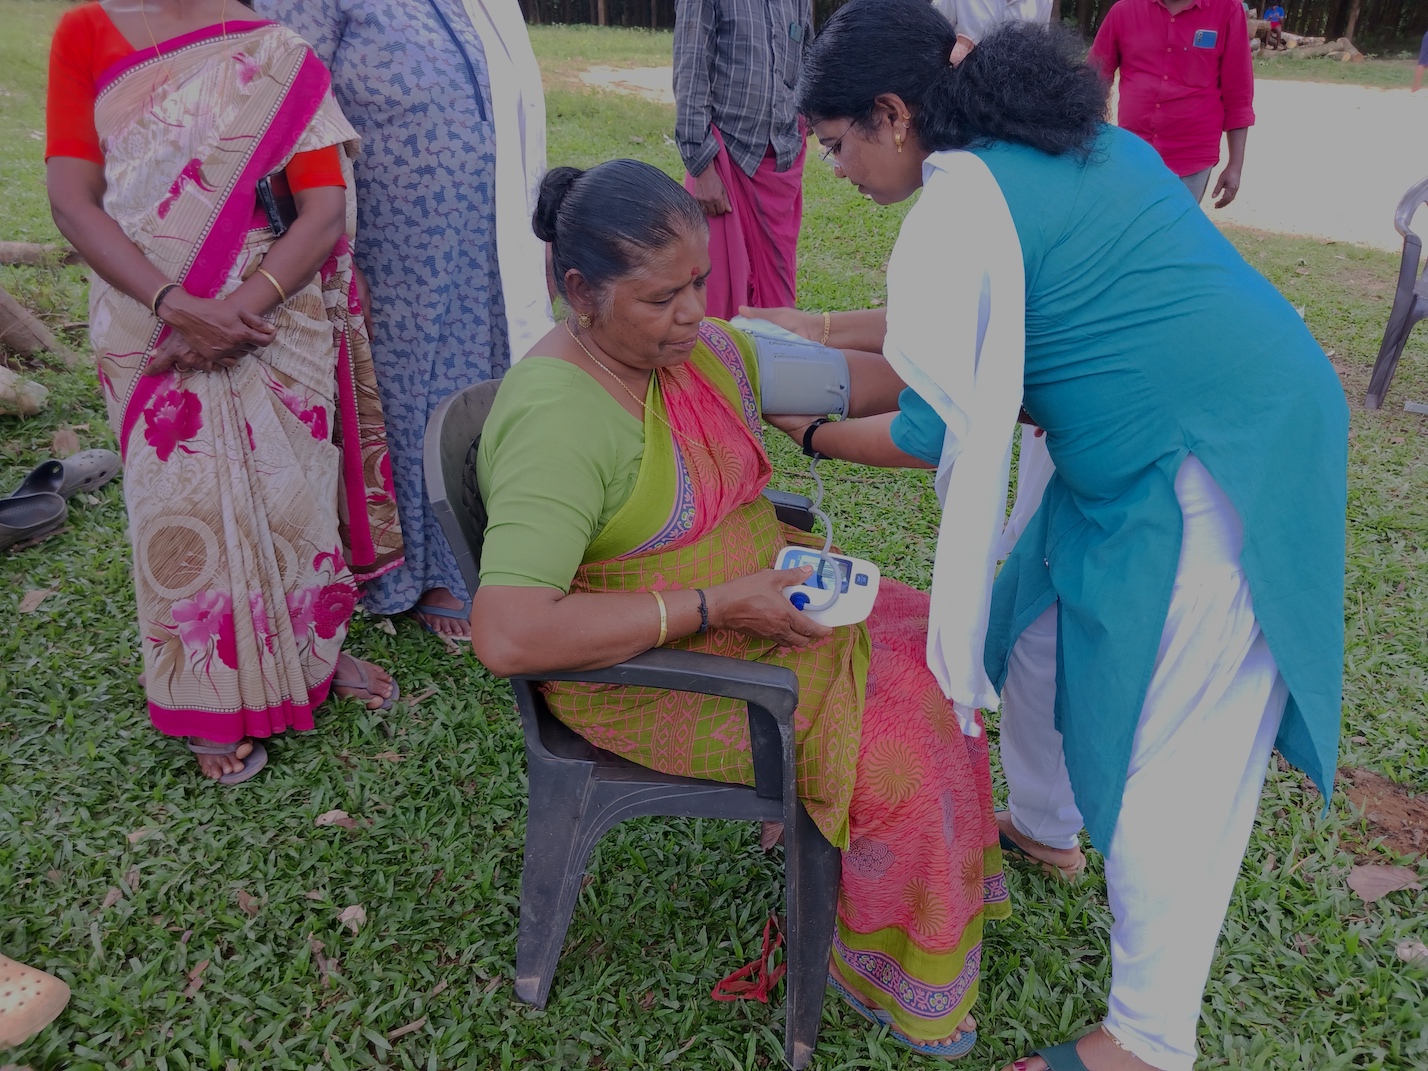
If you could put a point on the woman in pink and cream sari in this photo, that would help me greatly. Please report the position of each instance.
(234, 363)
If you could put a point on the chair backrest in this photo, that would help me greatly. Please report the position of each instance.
(450, 481)
(449, 457)
(1407, 206)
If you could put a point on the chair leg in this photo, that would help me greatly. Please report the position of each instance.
(1395, 338)
(812, 868)
(557, 846)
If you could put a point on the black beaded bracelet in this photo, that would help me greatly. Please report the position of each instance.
(703, 610)
(159, 298)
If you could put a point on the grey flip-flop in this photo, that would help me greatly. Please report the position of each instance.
(364, 681)
(461, 613)
(84, 471)
(30, 517)
(256, 760)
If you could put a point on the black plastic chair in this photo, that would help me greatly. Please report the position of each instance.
(578, 792)
(1410, 301)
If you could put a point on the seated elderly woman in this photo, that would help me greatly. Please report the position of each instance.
(622, 469)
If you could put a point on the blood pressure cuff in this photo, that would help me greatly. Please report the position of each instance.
(797, 377)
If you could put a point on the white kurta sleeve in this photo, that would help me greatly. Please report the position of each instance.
(956, 334)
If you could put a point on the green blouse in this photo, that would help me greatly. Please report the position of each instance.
(569, 455)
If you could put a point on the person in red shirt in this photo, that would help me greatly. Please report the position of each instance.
(1185, 77)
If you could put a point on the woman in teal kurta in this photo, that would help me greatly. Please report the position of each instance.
(1145, 326)
(1186, 561)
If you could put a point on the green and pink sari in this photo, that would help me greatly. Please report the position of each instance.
(883, 766)
(258, 496)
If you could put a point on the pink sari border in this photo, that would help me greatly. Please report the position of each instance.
(141, 56)
(359, 533)
(255, 723)
(219, 249)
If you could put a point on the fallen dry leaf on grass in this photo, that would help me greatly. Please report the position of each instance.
(131, 879)
(1412, 952)
(195, 979)
(249, 905)
(112, 897)
(31, 602)
(314, 894)
(390, 756)
(403, 1031)
(65, 443)
(336, 818)
(353, 916)
(440, 987)
(54, 875)
(1373, 882)
(325, 964)
(138, 835)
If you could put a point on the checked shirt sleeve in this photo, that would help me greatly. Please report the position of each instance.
(694, 58)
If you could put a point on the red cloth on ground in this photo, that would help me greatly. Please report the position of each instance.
(85, 45)
(754, 247)
(1185, 78)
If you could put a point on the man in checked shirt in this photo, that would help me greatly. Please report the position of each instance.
(736, 64)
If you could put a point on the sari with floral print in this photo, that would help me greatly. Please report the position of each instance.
(883, 766)
(258, 496)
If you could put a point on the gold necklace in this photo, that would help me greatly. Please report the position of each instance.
(144, 14)
(644, 406)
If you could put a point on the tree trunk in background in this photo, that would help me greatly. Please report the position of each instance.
(1353, 23)
(603, 6)
(1055, 12)
(1084, 11)
(1338, 18)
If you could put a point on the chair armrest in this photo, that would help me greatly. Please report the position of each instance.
(772, 687)
(771, 693)
(793, 509)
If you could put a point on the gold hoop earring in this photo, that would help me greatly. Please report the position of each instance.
(584, 321)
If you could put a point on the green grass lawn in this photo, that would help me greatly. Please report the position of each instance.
(199, 927)
(1385, 72)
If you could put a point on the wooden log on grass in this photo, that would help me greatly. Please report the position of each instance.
(35, 255)
(22, 333)
(19, 397)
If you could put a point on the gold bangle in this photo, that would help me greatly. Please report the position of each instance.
(266, 274)
(827, 327)
(663, 619)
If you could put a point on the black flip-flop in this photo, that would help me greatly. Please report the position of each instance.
(84, 471)
(31, 517)
(1063, 1057)
(1011, 847)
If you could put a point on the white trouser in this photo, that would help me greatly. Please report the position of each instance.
(1197, 767)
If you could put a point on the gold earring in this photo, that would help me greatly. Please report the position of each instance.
(897, 140)
(584, 321)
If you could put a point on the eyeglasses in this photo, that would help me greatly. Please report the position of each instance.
(833, 150)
